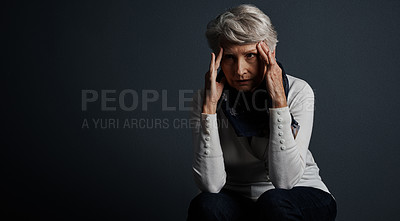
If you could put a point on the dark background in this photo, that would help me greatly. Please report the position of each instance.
(54, 168)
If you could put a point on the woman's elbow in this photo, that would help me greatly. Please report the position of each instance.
(208, 184)
(286, 182)
(212, 188)
(283, 185)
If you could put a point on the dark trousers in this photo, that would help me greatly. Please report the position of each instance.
(298, 203)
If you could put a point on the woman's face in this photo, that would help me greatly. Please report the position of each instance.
(242, 66)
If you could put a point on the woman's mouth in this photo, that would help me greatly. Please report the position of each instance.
(240, 82)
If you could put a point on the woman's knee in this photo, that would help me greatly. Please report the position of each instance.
(274, 198)
(204, 201)
(204, 206)
(276, 204)
(217, 206)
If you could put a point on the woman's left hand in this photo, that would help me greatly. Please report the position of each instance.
(273, 75)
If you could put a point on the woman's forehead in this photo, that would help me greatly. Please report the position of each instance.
(236, 48)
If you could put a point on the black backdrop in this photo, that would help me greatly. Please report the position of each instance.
(53, 165)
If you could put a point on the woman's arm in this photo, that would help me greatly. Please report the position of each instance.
(286, 154)
(208, 163)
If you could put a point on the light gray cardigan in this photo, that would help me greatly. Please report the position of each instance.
(224, 160)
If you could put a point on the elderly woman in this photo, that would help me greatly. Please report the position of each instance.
(251, 158)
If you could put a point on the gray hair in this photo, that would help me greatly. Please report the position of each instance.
(244, 24)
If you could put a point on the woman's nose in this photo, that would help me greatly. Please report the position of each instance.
(240, 67)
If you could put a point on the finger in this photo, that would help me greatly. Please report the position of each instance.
(219, 58)
(266, 50)
(212, 63)
(262, 52)
(271, 58)
(213, 67)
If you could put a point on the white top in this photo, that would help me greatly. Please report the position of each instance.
(224, 160)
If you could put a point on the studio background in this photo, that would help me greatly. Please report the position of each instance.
(52, 167)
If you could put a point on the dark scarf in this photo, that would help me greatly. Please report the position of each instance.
(248, 112)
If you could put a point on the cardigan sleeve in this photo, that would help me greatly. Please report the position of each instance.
(286, 154)
(208, 164)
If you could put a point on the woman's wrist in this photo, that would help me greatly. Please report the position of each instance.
(209, 109)
(279, 102)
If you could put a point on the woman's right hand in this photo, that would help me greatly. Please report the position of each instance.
(213, 89)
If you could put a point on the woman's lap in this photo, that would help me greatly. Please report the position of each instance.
(298, 203)
(224, 205)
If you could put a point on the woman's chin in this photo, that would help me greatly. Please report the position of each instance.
(244, 88)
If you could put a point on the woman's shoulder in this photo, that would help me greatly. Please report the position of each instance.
(299, 88)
